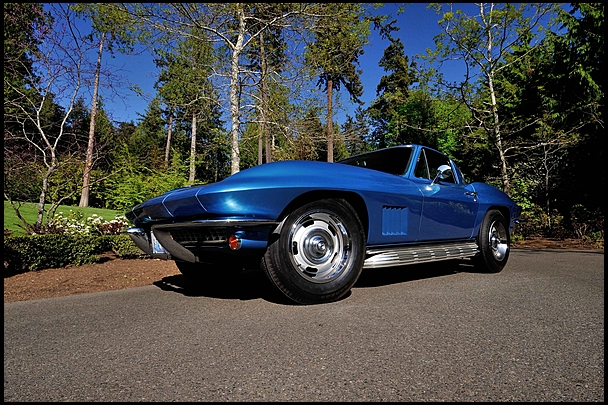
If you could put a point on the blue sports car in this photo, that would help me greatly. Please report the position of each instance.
(313, 226)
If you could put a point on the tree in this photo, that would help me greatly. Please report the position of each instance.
(224, 24)
(577, 77)
(267, 55)
(34, 123)
(184, 85)
(356, 133)
(113, 28)
(392, 92)
(482, 42)
(23, 27)
(340, 33)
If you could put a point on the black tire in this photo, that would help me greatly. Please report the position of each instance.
(494, 243)
(319, 254)
(203, 273)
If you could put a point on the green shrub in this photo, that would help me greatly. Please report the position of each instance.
(35, 252)
(25, 253)
(123, 246)
(536, 222)
(123, 193)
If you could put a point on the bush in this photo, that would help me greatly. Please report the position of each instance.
(37, 252)
(129, 190)
(65, 240)
(588, 226)
(75, 223)
(536, 222)
(122, 246)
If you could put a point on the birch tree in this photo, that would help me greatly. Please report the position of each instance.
(225, 25)
(33, 119)
(482, 40)
(110, 28)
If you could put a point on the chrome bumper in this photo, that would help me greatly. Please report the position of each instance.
(161, 244)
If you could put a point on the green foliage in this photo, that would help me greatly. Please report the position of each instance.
(29, 212)
(22, 24)
(23, 253)
(76, 238)
(520, 193)
(536, 222)
(335, 52)
(386, 111)
(587, 225)
(21, 181)
(122, 246)
(36, 252)
(122, 193)
(120, 26)
(76, 223)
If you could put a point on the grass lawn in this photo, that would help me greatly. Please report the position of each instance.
(29, 211)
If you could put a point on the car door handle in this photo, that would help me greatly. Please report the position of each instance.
(471, 193)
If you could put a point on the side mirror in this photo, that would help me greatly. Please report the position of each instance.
(443, 172)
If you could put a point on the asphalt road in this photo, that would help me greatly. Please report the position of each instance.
(435, 332)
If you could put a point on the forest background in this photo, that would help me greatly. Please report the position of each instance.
(246, 84)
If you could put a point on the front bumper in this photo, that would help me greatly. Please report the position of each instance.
(197, 241)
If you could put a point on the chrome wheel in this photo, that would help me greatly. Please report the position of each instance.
(498, 240)
(320, 246)
(493, 242)
(319, 252)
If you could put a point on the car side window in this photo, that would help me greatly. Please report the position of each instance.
(422, 169)
(428, 163)
(391, 160)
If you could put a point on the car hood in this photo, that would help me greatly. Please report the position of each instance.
(260, 191)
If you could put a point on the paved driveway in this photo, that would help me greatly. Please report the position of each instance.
(434, 332)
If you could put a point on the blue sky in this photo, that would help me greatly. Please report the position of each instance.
(417, 27)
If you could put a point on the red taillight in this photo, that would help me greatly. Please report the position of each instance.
(234, 242)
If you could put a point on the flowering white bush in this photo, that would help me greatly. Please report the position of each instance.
(76, 224)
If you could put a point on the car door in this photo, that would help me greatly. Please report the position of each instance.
(449, 206)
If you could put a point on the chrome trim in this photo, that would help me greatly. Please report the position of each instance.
(218, 222)
(140, 238)
(176, 251)
(399, 256)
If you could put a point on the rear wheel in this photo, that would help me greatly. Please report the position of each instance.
(494, 243)
(319, 254)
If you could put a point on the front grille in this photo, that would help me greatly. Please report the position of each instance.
(199, 236)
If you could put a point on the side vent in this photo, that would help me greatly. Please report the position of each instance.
(394, 221)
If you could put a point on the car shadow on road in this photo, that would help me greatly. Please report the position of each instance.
(253, 284)
(250, 284)
(376, 277)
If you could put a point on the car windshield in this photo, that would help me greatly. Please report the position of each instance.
(390, 160)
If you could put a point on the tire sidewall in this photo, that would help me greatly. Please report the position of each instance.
(282, 269)
(485, 261)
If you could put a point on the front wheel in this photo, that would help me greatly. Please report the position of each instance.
(494, 243)
(319, 254)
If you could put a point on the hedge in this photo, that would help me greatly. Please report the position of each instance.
(37, 252)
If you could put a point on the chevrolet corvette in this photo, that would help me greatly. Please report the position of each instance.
(313, 226)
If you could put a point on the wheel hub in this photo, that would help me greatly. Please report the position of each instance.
(319, 246)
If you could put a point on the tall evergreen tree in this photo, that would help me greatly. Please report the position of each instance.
(392, 92)
(339, 36)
